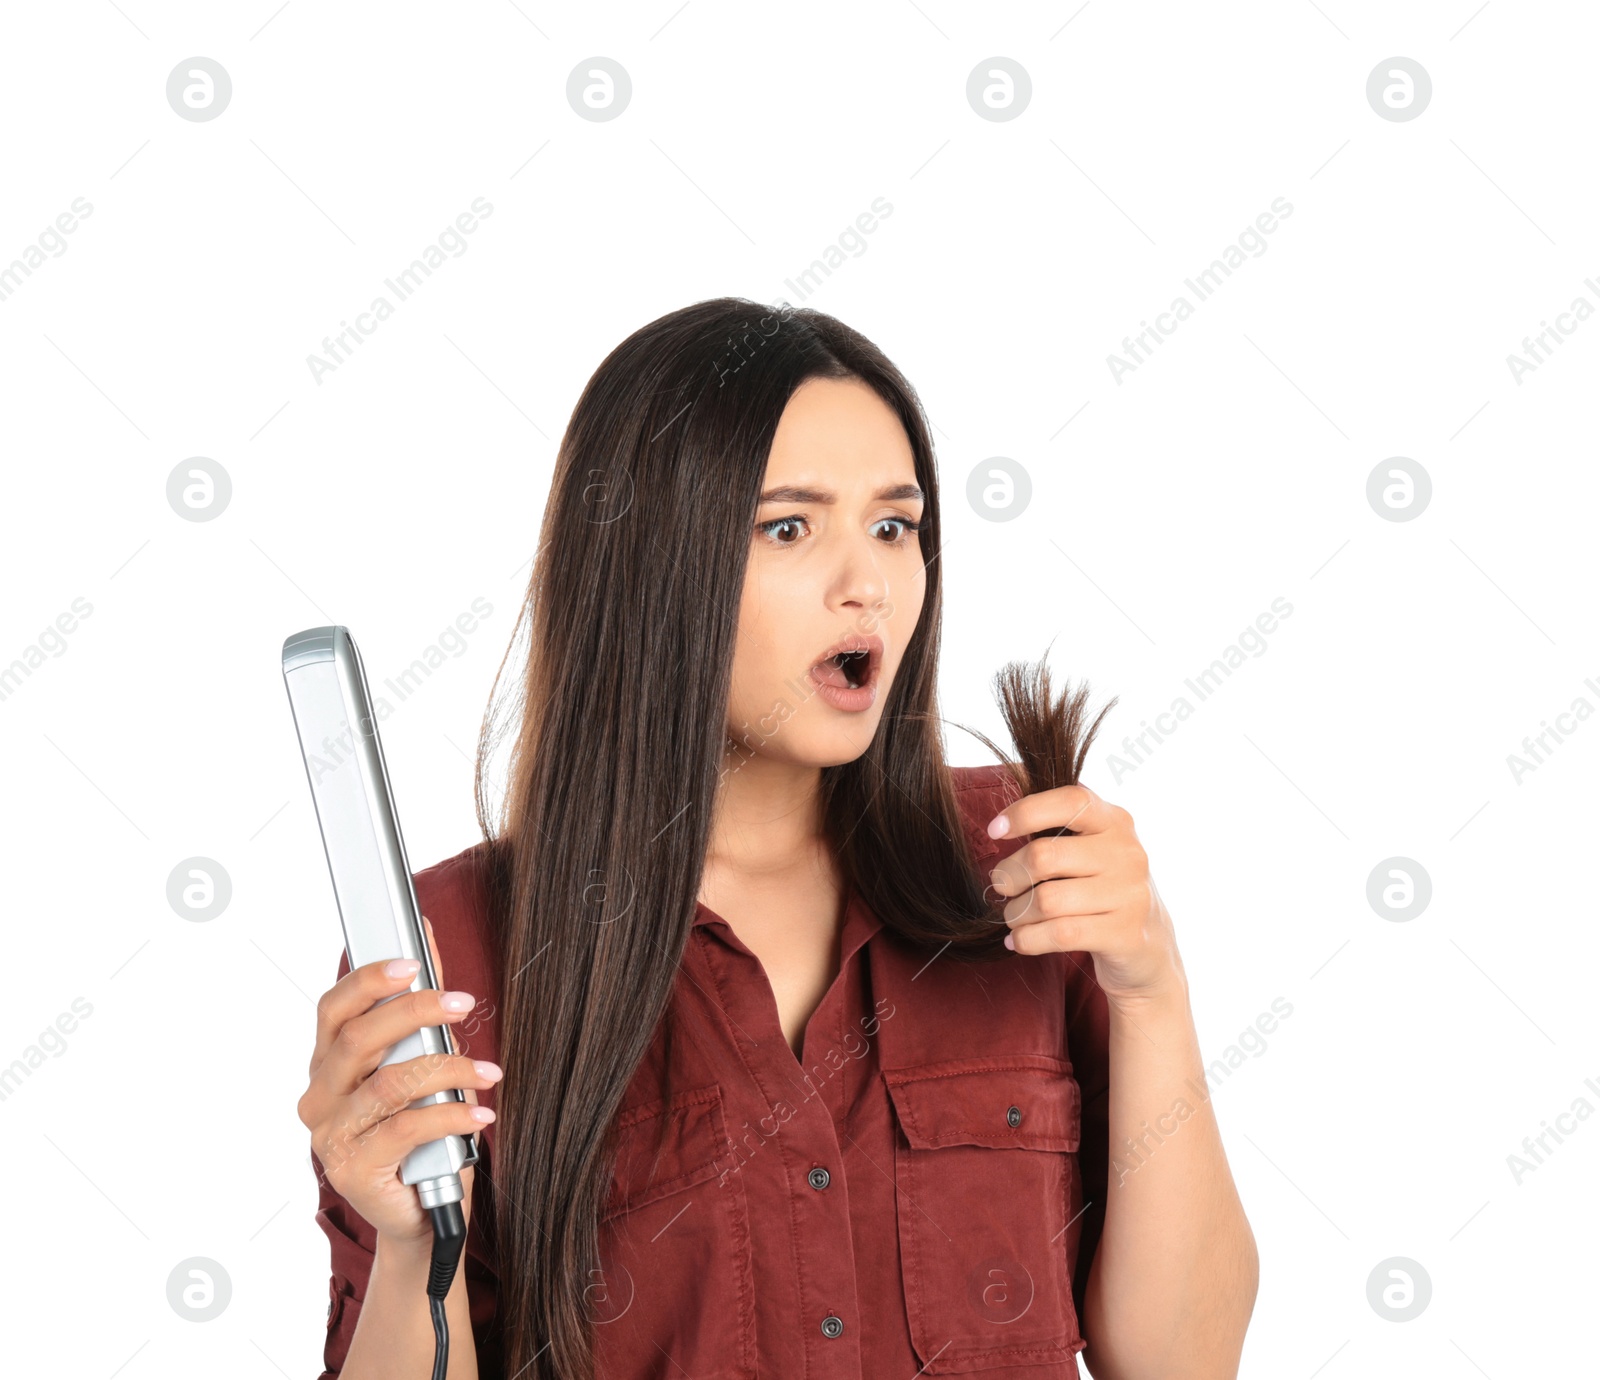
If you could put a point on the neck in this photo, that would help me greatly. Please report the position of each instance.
(767, 818)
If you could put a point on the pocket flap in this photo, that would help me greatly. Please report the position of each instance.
(971, 1102)
(664, 1147)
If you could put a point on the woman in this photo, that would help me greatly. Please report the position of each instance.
(821, 1058)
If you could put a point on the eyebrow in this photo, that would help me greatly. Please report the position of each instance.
(792, 494)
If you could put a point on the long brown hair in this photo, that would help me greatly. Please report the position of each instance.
(617, 740)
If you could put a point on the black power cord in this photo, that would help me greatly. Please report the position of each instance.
(449, 1236)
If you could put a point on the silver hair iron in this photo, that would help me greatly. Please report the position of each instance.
(377, 900)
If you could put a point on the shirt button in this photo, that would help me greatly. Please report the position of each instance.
(832, 1326)
(1013, 1116)
(818, 1178)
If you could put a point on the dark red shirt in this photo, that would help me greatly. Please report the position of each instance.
(921, 1193)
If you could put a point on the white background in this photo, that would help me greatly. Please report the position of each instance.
(1169, 510)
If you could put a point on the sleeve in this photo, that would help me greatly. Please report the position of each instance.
(352, 1241)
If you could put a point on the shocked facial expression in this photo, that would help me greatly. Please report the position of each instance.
(835, 581)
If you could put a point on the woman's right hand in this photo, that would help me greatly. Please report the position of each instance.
(359, 1115)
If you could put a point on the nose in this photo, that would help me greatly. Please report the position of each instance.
(862, 583)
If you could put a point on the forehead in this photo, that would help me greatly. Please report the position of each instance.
(839, 429)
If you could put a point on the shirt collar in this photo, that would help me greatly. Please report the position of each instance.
(860, 924)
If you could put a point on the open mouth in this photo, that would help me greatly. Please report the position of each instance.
(850, 664)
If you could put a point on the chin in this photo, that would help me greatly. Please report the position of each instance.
(832, 738)
(804, 740)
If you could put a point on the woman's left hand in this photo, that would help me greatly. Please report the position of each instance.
(1088, 892)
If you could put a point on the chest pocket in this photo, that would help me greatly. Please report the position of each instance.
(985, 1168)
(674, 1293)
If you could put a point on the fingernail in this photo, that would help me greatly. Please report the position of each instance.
(999, 826)
(486, 1069)
(456, 1001)
(482, 1113)
(1011, 942)
(401, 967)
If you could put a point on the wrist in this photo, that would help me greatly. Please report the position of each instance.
(408, 1255)
(1167, 995)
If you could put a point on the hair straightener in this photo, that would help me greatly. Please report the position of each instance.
(377, 902)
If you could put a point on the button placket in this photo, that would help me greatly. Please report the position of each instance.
(808, 1137)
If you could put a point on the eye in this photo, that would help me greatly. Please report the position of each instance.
(909, 527)
(770, 529)
(773, 529)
